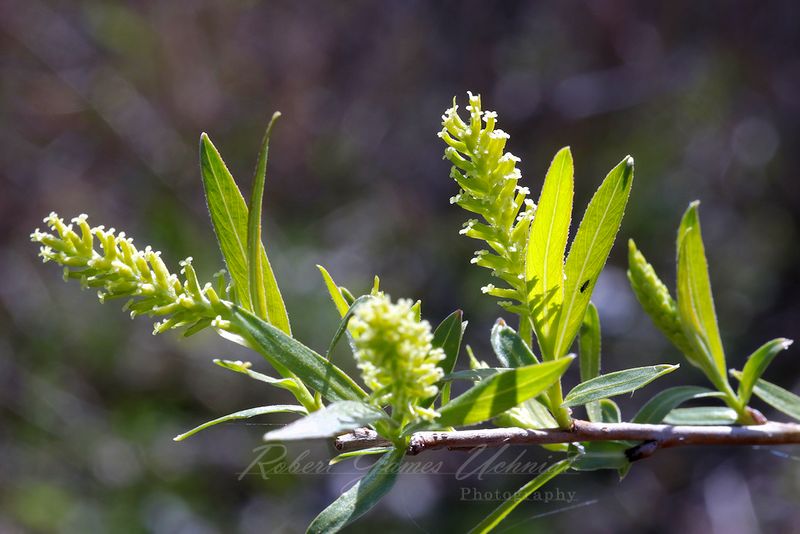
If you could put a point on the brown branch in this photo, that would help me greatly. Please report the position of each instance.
(652, 437)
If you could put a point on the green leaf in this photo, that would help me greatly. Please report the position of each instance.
(547, 240)
(703, 415)
(264, 293)
(474, 375)
(229, 215)
(609, 411)
(781, 399)
(337, 418)
(343, 325)
(589, 344)
(695, 302)
(500, 513)
(509, 347)
(353, 454)
(589, 354)
(756, 365)
(244, 414)
(501, 392)
(615, 383)
(447, 336)
(289, 384)
(589, 251)
(336, 293)
(359, 499)
(530, 414)
(657, 408)
(602, 455)
(278, 348)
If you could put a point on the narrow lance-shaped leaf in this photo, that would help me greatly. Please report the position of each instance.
(781, 399)
(447, 337)
(337, 418)
(335, 292)
(499, 392)
(602, 455)
(615, 383)
(695, 302)
(519, 496)
(264, 293)
(589, 344)
(290, 384)
(702, 415)
(278, 348)
(344, 323)
(589, 251)
(657, 408)
(756, 365)
(244, 414)
(547, 240)
(509, 347)
(229, 216)
(604, 411)
(359, 499)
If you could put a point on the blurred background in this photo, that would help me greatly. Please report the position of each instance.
(102, 106)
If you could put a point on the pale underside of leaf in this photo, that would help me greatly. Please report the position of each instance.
(335, 419)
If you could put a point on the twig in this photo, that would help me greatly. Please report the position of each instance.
(652, 437)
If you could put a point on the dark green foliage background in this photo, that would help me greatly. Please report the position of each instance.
(102, 104)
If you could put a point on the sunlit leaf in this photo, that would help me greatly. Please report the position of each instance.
(337, 418)
(756, 365)
(547, 241)
(264, 293)
(695, 302)
(335, 291)
(244, 414)
(229, 215)
(589, 251)
(359, 499)
(615, 383)
(500, 392)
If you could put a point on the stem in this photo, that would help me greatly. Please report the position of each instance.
(653, 437)
(556, 397)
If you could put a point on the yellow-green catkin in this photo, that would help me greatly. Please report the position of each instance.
(488, 177)
(395, 355)
(656, 301)
(120, 270)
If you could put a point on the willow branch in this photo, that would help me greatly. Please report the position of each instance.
(651, 437)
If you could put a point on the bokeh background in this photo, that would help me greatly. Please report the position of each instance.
(102, 106)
